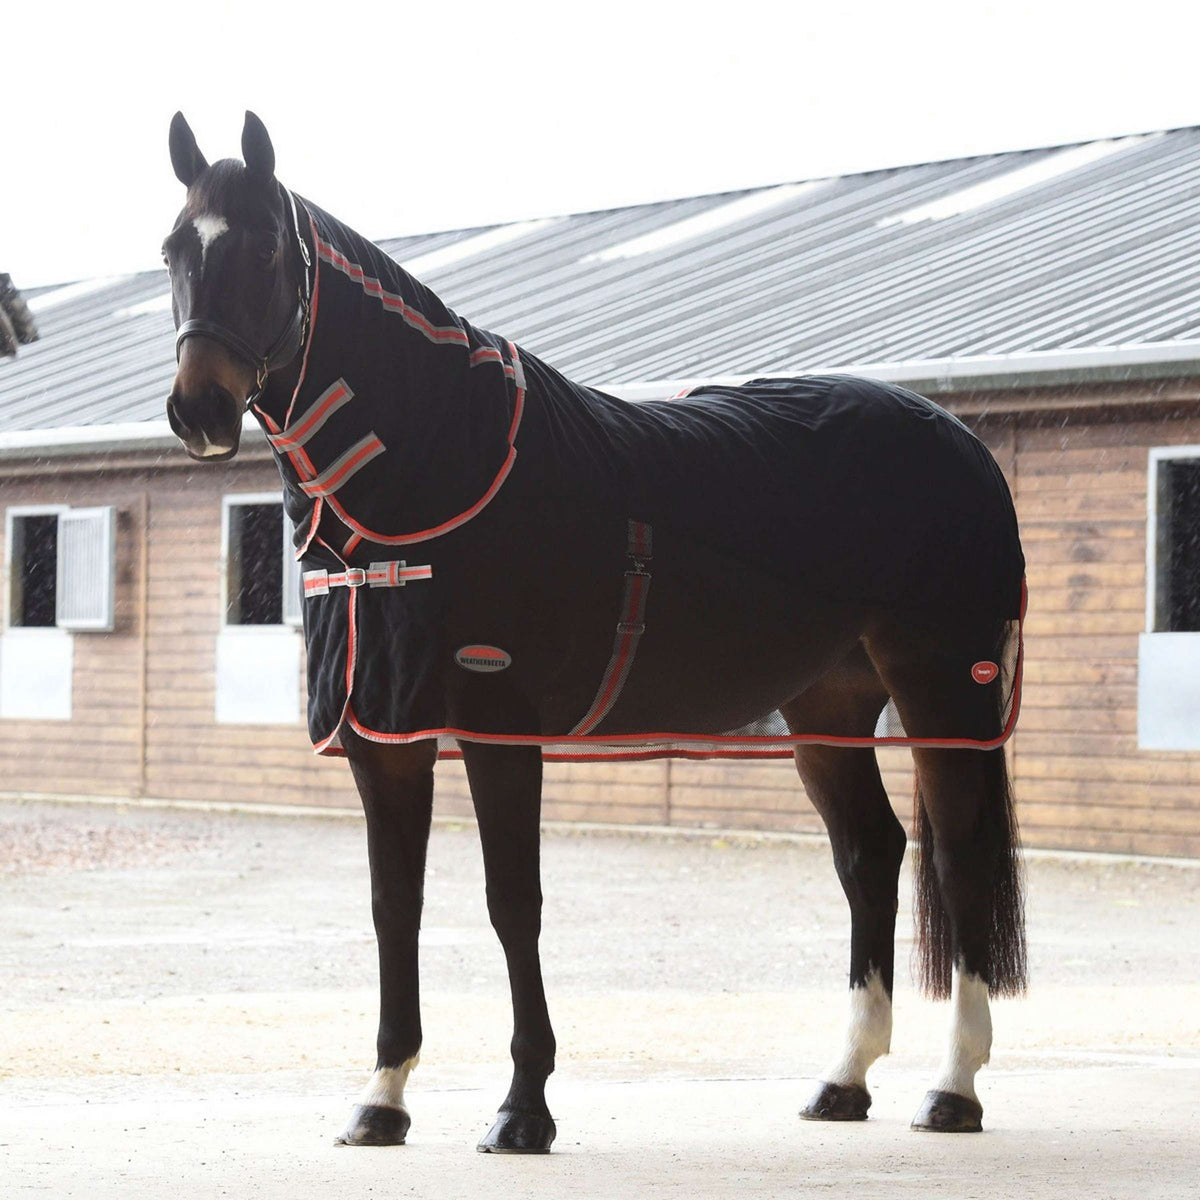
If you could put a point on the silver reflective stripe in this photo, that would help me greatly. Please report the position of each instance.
(346, 467)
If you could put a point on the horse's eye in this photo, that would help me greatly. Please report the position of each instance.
(266, 254)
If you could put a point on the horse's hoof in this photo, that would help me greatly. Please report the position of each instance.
(519, 1133)
(375, 1125)
(944, 1112)
(837, 1102)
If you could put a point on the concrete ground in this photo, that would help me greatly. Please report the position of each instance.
(188, 1008)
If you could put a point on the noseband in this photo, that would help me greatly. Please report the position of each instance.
(283, 349)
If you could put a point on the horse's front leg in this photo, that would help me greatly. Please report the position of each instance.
(396, 787)
(506, 787)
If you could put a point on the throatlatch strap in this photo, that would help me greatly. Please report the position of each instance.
(629, 629)
(378, 574)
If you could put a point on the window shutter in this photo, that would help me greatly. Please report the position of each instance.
(291, 577)
(86, 568)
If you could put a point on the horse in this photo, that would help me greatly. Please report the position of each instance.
(818, 546)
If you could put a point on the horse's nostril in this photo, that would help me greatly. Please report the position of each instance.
(178, 426)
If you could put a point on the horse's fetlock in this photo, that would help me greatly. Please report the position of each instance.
(534, 1056)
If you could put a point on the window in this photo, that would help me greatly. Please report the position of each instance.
(33, 558)
(258, 657)
(60, 568)
(1175, 544)
(262, 585)
(1169, 651)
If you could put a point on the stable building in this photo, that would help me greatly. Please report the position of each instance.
(1051, 298)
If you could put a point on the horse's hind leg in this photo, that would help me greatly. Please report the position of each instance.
(506, 787)
(967, 884)
(396, 787)
(868, 845)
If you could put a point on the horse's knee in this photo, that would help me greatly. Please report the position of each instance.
(515, 918)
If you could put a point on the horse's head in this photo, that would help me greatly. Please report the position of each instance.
(237, 287)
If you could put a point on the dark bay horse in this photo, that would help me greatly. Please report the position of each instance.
(816, 545)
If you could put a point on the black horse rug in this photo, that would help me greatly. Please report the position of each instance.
(473, 525)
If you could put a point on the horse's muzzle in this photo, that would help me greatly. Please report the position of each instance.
(208, 425)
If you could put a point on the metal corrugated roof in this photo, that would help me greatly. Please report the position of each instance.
(1101, 249)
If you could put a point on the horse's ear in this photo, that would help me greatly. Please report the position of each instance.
(185, 154)
(257, 149)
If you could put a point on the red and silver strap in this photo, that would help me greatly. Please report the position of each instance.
(378, 574)
(629, 629)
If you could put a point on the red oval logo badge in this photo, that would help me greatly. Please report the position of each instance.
(484, 659)
(984, 672)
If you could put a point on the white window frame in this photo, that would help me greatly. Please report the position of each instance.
(54, 645)
(1158, 455)
(290, 612)
(1168, 700)
(257, 667)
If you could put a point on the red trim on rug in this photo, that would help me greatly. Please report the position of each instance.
(674, 745)
(312, 325)
(437, 530)
(422, 535)
(349, 464)
(336, 395)
(267, 419)
(435, 333)
(351, 646)
(272, 429)
(312, 530)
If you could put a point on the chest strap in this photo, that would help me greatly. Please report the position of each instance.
(378, 574)
(630, 628)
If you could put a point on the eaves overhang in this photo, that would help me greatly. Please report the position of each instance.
(72, 441)
(983, 373)
(1042, 369)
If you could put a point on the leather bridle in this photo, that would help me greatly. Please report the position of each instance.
(284, 348)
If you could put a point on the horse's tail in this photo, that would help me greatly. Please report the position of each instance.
(1007, 960)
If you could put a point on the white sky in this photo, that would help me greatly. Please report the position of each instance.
(405, 117)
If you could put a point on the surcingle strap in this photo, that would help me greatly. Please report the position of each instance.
(629, 629)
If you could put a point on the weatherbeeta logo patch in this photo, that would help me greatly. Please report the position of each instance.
(484, 659)
(984, 672)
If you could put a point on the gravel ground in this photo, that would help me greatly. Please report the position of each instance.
(189, 1004)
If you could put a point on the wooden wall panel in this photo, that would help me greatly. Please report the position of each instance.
(1080, 779)
(98, 750)
(1080, 488)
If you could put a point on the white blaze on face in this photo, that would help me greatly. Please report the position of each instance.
(386, 1089)
(970, 1035)
(869, 1036)
(208, 228)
